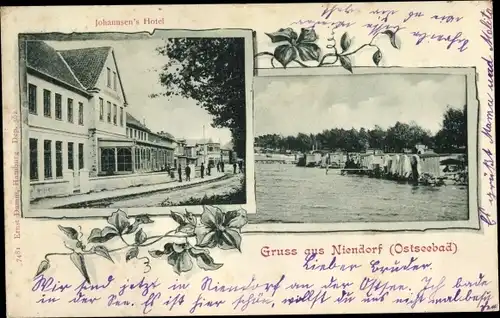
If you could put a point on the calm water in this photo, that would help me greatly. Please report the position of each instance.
(288, 193)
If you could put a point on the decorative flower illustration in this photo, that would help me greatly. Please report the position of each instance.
(221, 229)
(303, 45)
(302, 48)
(213, 228)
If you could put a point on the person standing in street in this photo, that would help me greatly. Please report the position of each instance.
(234, 167)
(240, 165)
(188, 173)
(222, 166)
(202, 170)
(179, 171)
(218, 166)
(209, 167)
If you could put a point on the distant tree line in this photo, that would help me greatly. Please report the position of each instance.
(451, 137)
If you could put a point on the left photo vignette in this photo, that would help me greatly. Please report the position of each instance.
(137, 122)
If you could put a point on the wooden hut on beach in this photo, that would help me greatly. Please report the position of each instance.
(426, 168)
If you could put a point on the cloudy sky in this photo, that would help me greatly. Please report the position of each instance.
(136, 60)
(289, 105)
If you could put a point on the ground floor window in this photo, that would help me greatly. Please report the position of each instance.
(71, 159)
(47, 158)
(124, 158)
(33, 159)
(81, 156)
(59, 159)
(108, 160)
(137, 159)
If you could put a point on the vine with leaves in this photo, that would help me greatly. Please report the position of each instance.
(214, 228)
(302, 48)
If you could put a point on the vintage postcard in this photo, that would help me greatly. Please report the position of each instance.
(319, 158)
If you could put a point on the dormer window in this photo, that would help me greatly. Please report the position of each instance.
(114, 81)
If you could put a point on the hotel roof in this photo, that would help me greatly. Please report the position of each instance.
(79, 68)
(87, 63)
(43, 58)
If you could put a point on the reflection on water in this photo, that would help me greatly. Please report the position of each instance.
(286, 193)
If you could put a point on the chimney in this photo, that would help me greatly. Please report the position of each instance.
(144, 121)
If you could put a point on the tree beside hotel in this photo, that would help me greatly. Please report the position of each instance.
(212, 72)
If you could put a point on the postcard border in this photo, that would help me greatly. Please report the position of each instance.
(247, 34)
(473, 104)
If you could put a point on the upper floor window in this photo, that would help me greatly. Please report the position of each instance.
(46, 103)
(121, 116)
(114, 114)
(109, 112)
(108, 78)
(114, 81)
(101, 109)
(32, 99)
(58, 100)
(80, 113)
(70, 110)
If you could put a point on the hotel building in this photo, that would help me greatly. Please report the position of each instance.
(81, 138)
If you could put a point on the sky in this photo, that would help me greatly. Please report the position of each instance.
(310, 104)
(136, 61)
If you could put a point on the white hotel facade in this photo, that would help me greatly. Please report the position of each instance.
(81, 138)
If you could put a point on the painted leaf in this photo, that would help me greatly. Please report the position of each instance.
(190, 218)
(230, 239)
(346, 63)
(119, 220)
(235, 218)
(377, 56)
(131, 254)
(212, 216)
(285, 54)
(307, 35)
(209, 240)
(204, 260)
(140, 236)
(179, 248)
(309, 51)
(143, 219)
(395, 42)
(156, 253)
(132, 228)
(168, 248)
(200, 232)
(287, 34)
(102, 236)
(183, 263)
(79, 261)
(103, 252)
(178, 217)
(345, 41)
(172, 259)
(69, 231)
(44, 265)
(186, 229)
